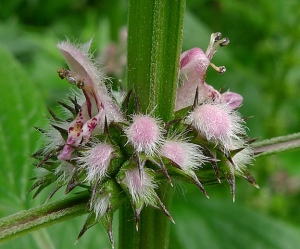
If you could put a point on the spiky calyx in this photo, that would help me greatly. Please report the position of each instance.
(123, 158)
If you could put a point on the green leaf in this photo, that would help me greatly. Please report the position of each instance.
(21, 108)
(202, 223)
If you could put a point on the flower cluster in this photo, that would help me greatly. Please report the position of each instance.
(121, 157)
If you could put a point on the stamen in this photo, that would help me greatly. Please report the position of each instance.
(217, 36)
(66, 74)
(215, 42)
(225, 42)
(220, 69)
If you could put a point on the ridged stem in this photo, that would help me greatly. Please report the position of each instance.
(154, 47)
(43, 216)
(277, 144)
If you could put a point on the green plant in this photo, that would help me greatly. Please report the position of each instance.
(143, 66)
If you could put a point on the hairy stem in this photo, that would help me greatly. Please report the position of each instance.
(154, 47)
(277, 145)
(43, 216)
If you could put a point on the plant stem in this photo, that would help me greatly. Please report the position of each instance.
(127, 233)
(154, 47)
(155, 225)
(43, 216)
(277, 145)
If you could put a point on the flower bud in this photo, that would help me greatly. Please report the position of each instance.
(186, 155)
(217, 123)
(243, 158)
(64, 172)
(145, 134)
(96, 161)
(140, 185)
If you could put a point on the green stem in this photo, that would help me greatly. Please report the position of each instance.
(154, 47)
(155, 225)
(127, 233)
(29, 220)
(277, 145)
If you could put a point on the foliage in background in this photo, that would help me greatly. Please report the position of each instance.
(262, 64)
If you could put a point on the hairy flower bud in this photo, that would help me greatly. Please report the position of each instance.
(187, 156)
(140, 185)
(64, 172)
(217, 123)
(145, 134)
(243, 158)
(96, 161)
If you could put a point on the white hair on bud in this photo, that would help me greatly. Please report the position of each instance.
(140, 185)
(145, 134)
(96, 160)
(217, 123)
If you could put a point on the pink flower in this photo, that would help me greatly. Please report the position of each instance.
(194, 63)
(83, 72)
(234, 100)
(193, 67)
(98, 102)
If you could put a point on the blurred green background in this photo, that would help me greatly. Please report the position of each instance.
(263, 64)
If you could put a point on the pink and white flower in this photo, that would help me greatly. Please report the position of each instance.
(98, 102)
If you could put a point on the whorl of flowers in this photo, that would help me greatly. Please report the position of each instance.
(120, 157)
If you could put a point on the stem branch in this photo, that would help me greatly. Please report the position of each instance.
(277, 145)
(43, 216)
